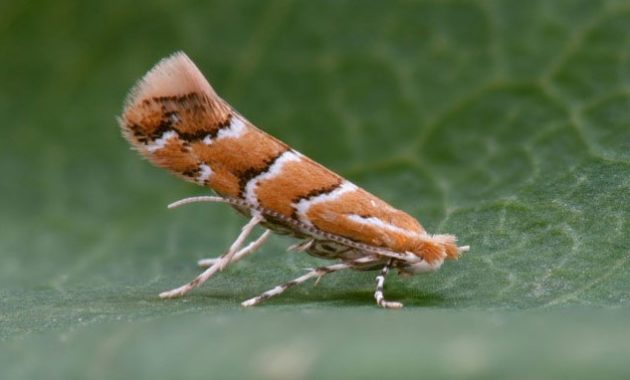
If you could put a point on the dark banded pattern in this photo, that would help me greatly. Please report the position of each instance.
(314, 193)
(251, 173)
(192, 116)
(300, 178)
(319, 191)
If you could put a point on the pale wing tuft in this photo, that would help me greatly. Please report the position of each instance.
(172, 76)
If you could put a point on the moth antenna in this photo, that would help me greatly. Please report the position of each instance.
(205, 198)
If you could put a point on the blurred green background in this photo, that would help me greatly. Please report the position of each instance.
(506, 123)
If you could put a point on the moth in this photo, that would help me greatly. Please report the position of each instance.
(175, 119)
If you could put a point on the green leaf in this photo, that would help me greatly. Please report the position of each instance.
(506, 123)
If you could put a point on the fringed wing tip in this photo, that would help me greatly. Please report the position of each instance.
(171, 76)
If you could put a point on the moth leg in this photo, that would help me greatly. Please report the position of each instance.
(378, 294)
(301, 246)
(219, 265)
(249, 249)
(316, 272)
(234, 248)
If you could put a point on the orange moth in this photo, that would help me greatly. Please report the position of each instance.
(175, 119)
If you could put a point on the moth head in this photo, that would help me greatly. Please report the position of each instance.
(437, 248)
(431, 251)
(419, 267)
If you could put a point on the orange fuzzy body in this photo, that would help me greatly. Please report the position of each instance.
(174, 118)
